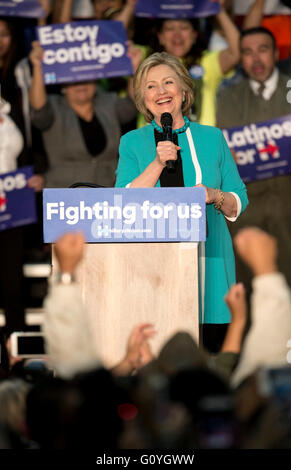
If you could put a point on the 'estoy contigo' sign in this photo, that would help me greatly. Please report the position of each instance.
(84, 50)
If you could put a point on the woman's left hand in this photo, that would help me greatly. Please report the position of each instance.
(36, 182)
(210, 193)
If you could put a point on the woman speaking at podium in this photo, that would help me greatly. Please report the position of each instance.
(201, 158)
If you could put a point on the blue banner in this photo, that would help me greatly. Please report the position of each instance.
(84, 50)
(17, 201)
(176, 8)
(262, 150)
(113, 215)
(21, 8)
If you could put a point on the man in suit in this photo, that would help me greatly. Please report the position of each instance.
(261, 96)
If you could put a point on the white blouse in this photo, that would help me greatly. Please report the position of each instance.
(11, 140)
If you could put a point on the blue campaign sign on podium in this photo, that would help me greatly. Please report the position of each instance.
(116, 215)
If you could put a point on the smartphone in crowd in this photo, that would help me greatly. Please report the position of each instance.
(27, 345)
(217, 427)
(275, 382)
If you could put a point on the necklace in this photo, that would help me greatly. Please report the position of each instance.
(175, 131)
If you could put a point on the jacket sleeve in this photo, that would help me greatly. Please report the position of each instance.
(125, 109)
(69, 342)
(43, 118)
(128, 168)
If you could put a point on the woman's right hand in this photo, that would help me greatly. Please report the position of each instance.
(166, 150)
(36, 54)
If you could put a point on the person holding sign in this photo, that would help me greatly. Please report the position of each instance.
(201, 158)
(81, 128)
(181, 38)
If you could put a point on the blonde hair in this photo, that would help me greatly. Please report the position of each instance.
(162, 58)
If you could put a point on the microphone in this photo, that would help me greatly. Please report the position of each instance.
(166, 122)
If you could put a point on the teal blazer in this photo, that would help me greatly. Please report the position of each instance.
(218, 170)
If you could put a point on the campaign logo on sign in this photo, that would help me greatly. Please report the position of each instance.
(176, 8)
(84, 50)
(17, 201)
(197, 72)
(21, 8)
(113, 215)
(262, 150)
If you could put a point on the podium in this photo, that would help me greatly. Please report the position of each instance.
(124, 283)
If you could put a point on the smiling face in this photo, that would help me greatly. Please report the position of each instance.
(163, 93)
(258, 56)
(177, 37)
(5, 39)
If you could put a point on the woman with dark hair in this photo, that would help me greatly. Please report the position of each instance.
(182, 38)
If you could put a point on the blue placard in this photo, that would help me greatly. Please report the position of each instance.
(262, 150)
(84, 50)
(114, 215)
(17, 201)
(21, 8)
(176, 8)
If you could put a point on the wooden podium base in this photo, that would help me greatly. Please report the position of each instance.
(124, 284)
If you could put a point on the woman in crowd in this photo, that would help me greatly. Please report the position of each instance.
(162, 84)
(81, 128)
(182, 39)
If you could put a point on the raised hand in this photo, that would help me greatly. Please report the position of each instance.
(36, 54)
(69, 251)
(257, 249)
(236, 302)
